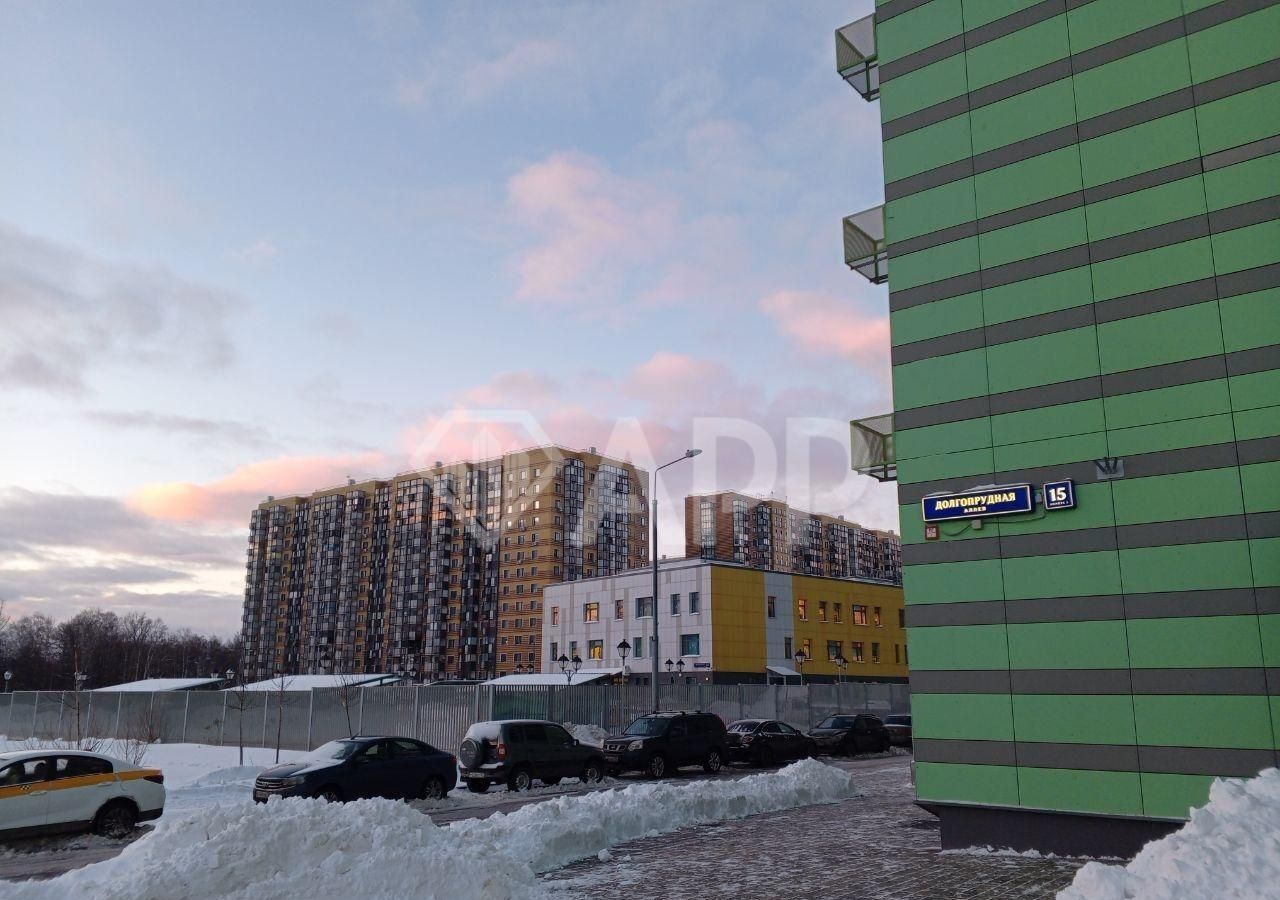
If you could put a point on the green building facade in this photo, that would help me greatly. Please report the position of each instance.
(1082, 236)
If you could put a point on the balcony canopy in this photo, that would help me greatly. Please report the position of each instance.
(864, 247)
(871, 447)
(856, 57)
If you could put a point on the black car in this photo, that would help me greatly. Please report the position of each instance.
(519, 751)
(847, 734)
(899, 728)
(397, 768)
(660, 742)
(764, 742)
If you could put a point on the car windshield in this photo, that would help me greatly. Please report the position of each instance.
(647, 727)
(332, 750)
(897, 720)
(743, 727)
(836, 722)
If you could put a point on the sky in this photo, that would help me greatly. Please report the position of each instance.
(254, 249)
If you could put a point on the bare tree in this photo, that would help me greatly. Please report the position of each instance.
(281, 684)
(239, 698)
(348, 693)
(143, 729)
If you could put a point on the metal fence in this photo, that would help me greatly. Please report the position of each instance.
(438, 714)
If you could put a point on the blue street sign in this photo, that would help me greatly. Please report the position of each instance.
(1005, 500)
(1060, 494)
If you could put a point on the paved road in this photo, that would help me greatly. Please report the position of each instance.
(53, 856)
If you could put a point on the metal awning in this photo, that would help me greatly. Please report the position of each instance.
(856, 57)
(784, 671)
(864, 247)
(871, 447)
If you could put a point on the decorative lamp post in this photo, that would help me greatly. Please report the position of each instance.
(8, 676)
(799, 659)
(653, 552)
(230, 675)
(669, 664)
(569, 667)
(623, 649)
(841, 665)
(680, 667)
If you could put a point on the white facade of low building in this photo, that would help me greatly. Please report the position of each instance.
(571, 624)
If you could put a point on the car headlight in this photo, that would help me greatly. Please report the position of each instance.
(293, 781)
(748, 738)
(635, 745)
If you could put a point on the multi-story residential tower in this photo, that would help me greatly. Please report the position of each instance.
(1082, 238)
(769, 534)
(438, 572)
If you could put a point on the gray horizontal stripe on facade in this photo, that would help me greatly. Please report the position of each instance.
(1097, 757)
(886, 11)
(1240, 362)
(1182, 531)
(1096, 681)
(1164, 235)
(1138, 465)
(1243, 153)
(1106, 123)
(967, 40)
(1263, 525)
(1104, 607)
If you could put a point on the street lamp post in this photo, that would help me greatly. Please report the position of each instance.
(623, 649)
(231, 675)
(669, 664)
(569, 667)
(799, 659)
(653, 551)
(8, 676)
(841, 665)
(680, 668)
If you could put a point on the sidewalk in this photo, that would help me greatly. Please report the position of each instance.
(879, 845)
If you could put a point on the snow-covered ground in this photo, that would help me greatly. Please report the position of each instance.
(379, 848)
(1230, 848)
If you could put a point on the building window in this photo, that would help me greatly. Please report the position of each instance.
(836, 611)
(573, 649)
(644, 607)
(695, 603)
(690, 644)
(619, 608)
(875, 618)
(857, 651)
(595, 649)
(772, 606)
(822, 610)
(803, 607)
(675, 604)
(555, 650)
(786, 648)
(807, 646)
(835, 649)
(902, 618)
(591, 612)
(897, 655)
(875, 652)
(637, 647)
(555, 615)
(859, 615)
(906, 655)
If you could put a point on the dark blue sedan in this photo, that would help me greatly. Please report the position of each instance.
(397, 768)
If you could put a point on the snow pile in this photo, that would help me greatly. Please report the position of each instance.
(1229, 848)
(378, 848)
(587, 734)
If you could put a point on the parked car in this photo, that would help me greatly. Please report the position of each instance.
(662, 742)
(764, 742)
(397, 768)
(850, 733)
(521, 751)
(53, 791)
(899, 728)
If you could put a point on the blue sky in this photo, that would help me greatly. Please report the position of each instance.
(250, 248)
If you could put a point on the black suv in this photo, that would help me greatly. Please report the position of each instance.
(660, 742)
(518, 751)
(847, 734)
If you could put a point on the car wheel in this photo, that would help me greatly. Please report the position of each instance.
(711, 765)
(330, 794)
(433, 789)
(765, 757)
(593, 773)
(116, 820)
(657, 766)
(477, 785)
(884, 745)
(520, 780)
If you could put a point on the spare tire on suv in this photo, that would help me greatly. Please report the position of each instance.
(473, 752)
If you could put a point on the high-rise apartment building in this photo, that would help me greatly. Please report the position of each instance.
(1081, 238)
(769, 534)
(438, 572)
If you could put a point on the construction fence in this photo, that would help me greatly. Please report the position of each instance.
(437, 714)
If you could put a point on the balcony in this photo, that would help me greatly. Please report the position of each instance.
(871, 448)
(856, 57)
(864, 247)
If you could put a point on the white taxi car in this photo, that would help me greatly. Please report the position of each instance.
(51, 791)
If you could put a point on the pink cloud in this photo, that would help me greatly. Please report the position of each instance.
(822, 323)
(521, 388)
(591, 226)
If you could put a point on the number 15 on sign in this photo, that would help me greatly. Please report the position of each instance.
(1060, 494)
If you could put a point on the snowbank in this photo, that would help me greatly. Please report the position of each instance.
(587, 734)
(1229, 848)
(378, 848)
